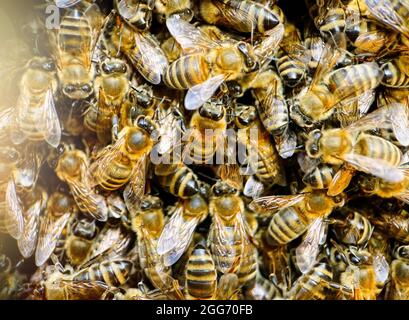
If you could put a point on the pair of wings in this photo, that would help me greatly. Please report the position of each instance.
(220, 239)
(48, 122)
(176, 236)
(12, 216)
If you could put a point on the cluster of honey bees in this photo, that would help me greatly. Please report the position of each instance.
(116, 172)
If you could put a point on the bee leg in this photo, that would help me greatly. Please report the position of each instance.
(115, 128)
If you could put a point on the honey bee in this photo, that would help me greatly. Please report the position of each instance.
(36, 118)
(266, 165)
(315, 47)
(396, 72)
(60, 208)
(352, 228)
(291, 58)
(81, 233)
(263, 289)
(178, 231)
(314, 284)
(362, 151)
(138, 13)
(208, 63)
(394, 224)
(74, 43)
(125, 161)
(72, 167)
(298, 214)
(273, 111)
(142, 49)
(365, 274)
(11, 211)
(398, 287)
(328, 90)
(148, 223)
(180, 8)
(111, 87)
(229, 235)
(243, 16)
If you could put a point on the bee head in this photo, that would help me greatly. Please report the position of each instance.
(111, 66)
(245, 115)
(312, 145)
(151, 203)
(402, 252)
(77, 91)
(212, 110)
(222, 188)
(367, 183)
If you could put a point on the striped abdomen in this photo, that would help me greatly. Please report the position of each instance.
(352, 81)
(378, 148)
(248, 268)
(75, 32)
(319, 177)
(187, 72)
(226, 253)
(367, 36)
(273, 114)
(333, 27)
(311, 285)
(291, 70)
(393, 76)
(116, 175)
(113, 273)
(201, 275)
(179, 180)
(30, 118)
(285, 226)
(202, 148)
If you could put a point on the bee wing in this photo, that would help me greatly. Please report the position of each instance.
(28, 240)
(49, 122)
(286, 143)
(113, 238)
(135, 188)
(270, 43)
(376, 167)
(270, 204)
(175, 223)
(83, 290)
(127, 9)
(6, 119)
(170, 130)
(384, 12)
(66, 3)
(381, 267)
(341, 180)
(178, 235)
(228, 286)
(14, 218)
(148, 59)
(232, 174)
(90, 202)
(253, 188)
(29, 168)
(51, 228)
(307, 252)
(328, 59)
(200, 93)
(104, 159)
(400, 122)
(189, 37)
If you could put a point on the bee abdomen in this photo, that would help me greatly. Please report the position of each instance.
(74, 32)
(378, 148)
(201, 275)
(115, 176)
(186, 72)
(292, 71)
(113, 273)
(248, 269)
(182, 183)
(285, 226)
(320, 177)
(275, 116)
(393, 76)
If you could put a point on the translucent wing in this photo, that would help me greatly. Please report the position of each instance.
(286, 143)
(127, 9)
(400, 122)
(253, 188)
(381, 267)
(385, 13)
(189, 37)
(270, 204)
(49, 122)
(135, 188)
(375, 167)
(228, 286)
(66, 3)
(170, 130)
(200, 93)
(83, 290)
(148, 58)
(111, 239)
(176, 237)
(270, 43)
(28, 240)
(14, 218)
(28, 169)
(341, 180)
(51, 227)
(6, 119)
(308, 250)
